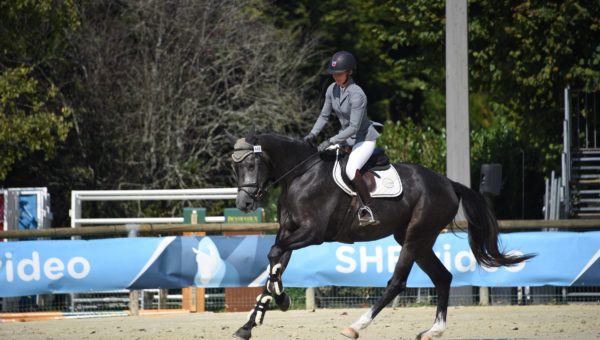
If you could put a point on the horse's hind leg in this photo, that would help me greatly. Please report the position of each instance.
(395, 286)
(441, 278)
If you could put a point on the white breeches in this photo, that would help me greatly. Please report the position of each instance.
(359, 156)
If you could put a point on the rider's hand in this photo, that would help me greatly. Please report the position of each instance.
(324, 146)
(309, 138)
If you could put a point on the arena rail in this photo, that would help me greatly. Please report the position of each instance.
(80, 196)
(167, 229)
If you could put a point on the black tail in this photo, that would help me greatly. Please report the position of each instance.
(483, 230)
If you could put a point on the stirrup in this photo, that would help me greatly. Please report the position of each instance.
(366, 220)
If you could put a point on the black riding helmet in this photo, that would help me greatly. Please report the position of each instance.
(340, 62)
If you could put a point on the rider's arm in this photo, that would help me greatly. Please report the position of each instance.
(358, 109)
(325, 113)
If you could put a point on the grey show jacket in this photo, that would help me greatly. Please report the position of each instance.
(350, 106)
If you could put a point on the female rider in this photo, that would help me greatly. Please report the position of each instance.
(349, 103)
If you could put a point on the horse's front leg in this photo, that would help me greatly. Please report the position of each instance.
(272, 288)
(277, 263)
(257, 314)
(279, 257)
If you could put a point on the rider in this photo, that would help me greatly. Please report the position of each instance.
(350, 105)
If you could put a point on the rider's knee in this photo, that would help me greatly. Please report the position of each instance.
(350, 172)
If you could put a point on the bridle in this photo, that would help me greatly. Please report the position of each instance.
(256, 150)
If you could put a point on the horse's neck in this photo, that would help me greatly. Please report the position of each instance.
(286, 155)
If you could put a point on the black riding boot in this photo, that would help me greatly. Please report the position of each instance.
(365, 215)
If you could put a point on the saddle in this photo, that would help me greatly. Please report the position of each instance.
(381, 177)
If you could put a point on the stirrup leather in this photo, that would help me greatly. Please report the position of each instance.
(368, 219)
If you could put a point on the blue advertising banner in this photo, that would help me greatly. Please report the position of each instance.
(38, 267)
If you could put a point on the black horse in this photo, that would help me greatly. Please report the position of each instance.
(312, 209)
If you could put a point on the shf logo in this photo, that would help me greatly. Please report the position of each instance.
(31, 269)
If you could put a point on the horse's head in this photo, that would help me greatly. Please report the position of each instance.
(252, 174)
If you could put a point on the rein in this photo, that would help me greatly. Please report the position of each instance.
(290, 171)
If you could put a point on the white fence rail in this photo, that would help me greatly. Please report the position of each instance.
(79, 196)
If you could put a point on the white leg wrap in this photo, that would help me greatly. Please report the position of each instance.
(275, 268)
(438, 327)
(276, 285)
(262, 302)
(363, 321)
(266, 299)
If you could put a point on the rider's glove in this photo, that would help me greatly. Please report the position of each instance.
(324, 146)
(309, 138)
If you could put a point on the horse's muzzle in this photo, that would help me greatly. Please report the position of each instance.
(244, 202)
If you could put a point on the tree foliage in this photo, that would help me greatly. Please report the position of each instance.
(409, 142)
(27, 121)
(522, 57)
(33, 115)
(399, 46)
(165, 80)
(139, 94)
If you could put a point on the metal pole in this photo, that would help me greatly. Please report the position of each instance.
(566, 173)
(134, 295)
(310, 299)
(457, 93)
(484, 296)
(457, 111)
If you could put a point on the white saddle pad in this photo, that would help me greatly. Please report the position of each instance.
(388, 183)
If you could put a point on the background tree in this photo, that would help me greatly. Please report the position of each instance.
(139, 94)
(521, 57)
(34, 118)
(164, 80)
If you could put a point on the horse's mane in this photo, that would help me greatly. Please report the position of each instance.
(290, 143)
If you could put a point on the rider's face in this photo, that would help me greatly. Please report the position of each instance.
(341, 79)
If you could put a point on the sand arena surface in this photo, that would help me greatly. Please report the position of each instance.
(501, 322)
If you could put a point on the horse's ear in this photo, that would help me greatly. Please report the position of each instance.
(251, 135)
(231, 138)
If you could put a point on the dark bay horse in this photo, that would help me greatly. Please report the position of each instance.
(312, 209)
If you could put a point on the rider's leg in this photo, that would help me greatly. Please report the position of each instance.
(358, 157)
(361, 152)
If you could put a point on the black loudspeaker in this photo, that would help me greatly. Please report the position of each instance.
(491, 179)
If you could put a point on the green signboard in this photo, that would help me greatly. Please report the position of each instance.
(234, 215)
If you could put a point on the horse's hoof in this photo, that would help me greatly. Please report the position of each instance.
(242, 334)
(284, 302)
(350, 333)
(423, 336)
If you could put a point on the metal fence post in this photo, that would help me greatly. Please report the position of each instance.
(310, 299)
(134, 295)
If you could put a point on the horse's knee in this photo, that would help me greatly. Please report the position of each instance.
(275, 254)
